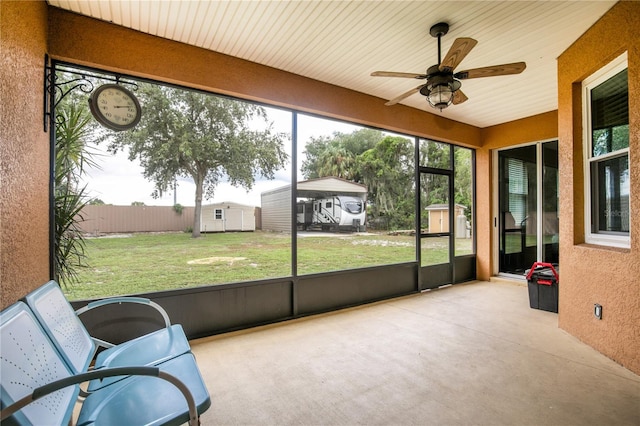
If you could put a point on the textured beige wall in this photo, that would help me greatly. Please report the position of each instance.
(610, 277)
(24, 150)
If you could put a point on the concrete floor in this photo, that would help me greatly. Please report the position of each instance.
(472, 354)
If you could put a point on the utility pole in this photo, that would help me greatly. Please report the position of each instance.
(175, 191)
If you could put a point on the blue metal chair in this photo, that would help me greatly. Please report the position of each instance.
(63, 325)
(37, 387)
(29, 361)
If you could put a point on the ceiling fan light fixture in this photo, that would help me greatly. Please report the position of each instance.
(440, 96)
(440, 92)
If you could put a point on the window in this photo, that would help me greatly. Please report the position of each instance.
(353, 206)
(518, 188)
(218, 214)
(607, 181)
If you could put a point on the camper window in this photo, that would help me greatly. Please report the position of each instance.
(353, 207)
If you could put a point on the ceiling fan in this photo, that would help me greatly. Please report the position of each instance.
(443, 85)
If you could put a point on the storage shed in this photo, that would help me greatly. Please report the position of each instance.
(227, 216)
(439, 217)
(276, 204)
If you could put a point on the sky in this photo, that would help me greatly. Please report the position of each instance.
(121, 182)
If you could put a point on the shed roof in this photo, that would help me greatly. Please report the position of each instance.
(443, 207)
(228, 204)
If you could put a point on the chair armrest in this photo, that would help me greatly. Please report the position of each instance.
(102, 373)
(120, 300)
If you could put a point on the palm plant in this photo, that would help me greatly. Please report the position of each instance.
(74, 127)
(338, 162)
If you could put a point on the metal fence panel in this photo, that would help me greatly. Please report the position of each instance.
(107, 219)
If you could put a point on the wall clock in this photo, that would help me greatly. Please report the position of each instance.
(115, 107)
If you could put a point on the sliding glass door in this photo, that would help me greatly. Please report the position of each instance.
(527, 217)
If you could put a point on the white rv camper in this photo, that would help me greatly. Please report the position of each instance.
(276, 207)
(333, 213)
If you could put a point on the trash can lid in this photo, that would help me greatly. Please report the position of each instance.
(545, 272)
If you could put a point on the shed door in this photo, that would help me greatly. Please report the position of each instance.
(216, 224)
(233, 220)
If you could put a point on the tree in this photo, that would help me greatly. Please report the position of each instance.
(386, 166)
(434, 188)
(336, 155)
(388, 172)
(205, 137)
(383, 164)
(463, 180)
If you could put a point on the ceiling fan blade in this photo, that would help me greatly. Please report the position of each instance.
(460, 48)
(397, 74)
(404, 95)
(459, 97)
(495, 70)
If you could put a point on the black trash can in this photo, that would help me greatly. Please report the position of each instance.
(542, 280)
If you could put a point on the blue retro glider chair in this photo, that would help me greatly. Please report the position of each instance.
(38, 386)
(67, 332)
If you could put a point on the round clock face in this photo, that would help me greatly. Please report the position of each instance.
(115, 107)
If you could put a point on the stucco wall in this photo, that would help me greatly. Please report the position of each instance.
(527, 130)
(24, 150)
(610, 277)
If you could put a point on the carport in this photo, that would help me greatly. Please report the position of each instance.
(276, 204)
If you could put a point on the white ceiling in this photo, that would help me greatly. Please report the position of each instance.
(342, 42)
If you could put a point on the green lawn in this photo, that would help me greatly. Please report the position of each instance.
(139, 263)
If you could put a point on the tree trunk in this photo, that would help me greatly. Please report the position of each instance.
(199, 180)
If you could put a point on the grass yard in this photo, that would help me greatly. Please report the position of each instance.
(139, 263)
